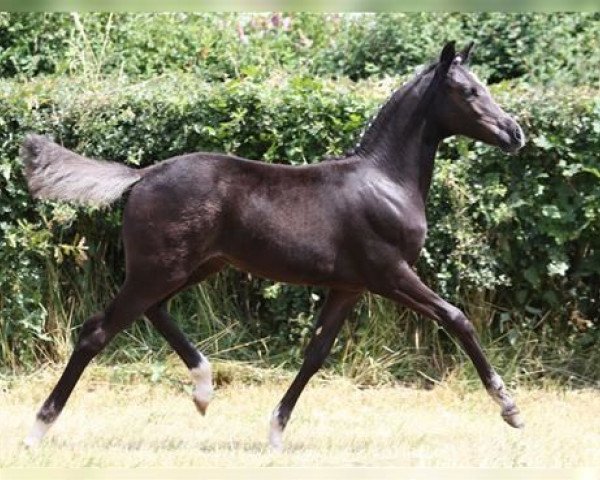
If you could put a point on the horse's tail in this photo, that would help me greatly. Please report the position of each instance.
(55, 173)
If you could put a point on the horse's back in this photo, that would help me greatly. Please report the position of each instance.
(266, 219)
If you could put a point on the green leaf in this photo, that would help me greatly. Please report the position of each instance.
(558, 268)
(542, 142)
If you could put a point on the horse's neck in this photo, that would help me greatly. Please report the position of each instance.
(403, 139)
(407, 155)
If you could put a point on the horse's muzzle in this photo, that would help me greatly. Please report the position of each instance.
(511, 137)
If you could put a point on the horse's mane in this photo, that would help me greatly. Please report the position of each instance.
(382, 115)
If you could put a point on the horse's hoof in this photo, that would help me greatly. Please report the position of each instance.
(275, 433)
(36, 434)
(201, 406)
(31, 442)
(276, 439)
(203, 388)
(513, 418)
(276, 447)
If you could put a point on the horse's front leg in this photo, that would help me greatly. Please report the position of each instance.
(404, 286)
(331, 318)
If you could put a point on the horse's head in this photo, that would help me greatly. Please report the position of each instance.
(464, 105)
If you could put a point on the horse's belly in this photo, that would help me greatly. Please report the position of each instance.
(299, 264)
(294, 242)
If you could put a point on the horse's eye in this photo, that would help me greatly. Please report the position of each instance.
(473, 92)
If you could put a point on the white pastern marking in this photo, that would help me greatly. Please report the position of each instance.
(522, 144)
(37, 432)
(202, 378)
(500, 395)
(497, 390)
(275, 432)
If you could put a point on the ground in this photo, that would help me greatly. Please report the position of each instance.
(119, 419)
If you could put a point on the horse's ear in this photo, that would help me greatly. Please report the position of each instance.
(447, 56)
(465, 54)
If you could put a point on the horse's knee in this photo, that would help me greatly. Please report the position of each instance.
(156, 311)
(457, 320)
(93, 336)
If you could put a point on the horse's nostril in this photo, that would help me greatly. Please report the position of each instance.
(517, 134)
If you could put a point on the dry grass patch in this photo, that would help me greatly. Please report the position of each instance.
(115, 418)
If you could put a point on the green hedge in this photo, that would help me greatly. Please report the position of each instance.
(535, 47)
(145, 45)
(538, 48)
(523, 231)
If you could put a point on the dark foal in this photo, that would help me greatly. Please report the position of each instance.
(352, 225)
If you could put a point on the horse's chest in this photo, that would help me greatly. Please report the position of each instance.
(401, 227)
(411, 238)
(414, 239)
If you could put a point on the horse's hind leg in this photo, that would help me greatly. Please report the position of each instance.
(195, 361)
(131, 301)
(331, 318)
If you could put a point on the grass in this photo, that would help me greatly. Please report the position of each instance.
(140, 415)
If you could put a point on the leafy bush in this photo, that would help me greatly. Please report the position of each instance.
(521, 231)
(33, 44)
(214, 46)
(538, 48)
